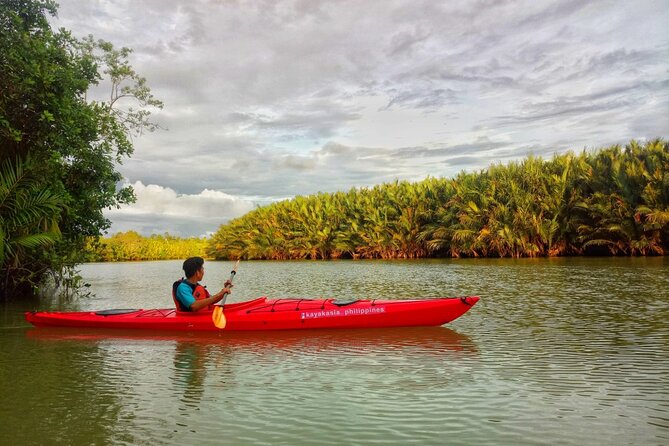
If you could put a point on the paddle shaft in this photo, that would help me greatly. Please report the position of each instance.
(232, 276)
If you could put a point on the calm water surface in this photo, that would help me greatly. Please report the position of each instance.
(558, 351)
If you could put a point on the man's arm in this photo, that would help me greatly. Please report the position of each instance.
(203, 303)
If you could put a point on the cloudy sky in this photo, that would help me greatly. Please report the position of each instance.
(265, 100)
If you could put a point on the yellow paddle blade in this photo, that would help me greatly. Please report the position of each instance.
(218, 317)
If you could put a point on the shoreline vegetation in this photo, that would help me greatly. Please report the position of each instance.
(612, 201)
(131, 246)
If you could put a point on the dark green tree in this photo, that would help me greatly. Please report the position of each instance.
(73, 143)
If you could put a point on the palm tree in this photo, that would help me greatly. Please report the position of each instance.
(29, 215)
(612, 198)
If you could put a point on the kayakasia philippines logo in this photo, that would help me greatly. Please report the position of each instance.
(340, 313)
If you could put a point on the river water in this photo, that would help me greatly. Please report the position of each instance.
(558, 351)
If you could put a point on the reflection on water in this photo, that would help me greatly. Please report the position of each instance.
(300, 370)
(558, 351)
(421, 339)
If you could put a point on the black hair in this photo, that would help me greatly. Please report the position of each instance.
(192, 265)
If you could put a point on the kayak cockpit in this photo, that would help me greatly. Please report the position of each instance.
(116, 311)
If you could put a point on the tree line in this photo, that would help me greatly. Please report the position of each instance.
(613, 201)
(130, 245)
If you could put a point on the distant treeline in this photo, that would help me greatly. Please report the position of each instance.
(611, 201)
(132, 246)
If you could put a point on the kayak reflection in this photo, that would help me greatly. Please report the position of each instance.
(174, 376)
(426, 339)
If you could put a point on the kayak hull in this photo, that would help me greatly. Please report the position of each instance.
(278, 314)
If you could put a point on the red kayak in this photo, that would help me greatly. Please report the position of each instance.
(264, 314)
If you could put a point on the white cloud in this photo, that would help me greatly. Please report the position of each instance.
(160, 209)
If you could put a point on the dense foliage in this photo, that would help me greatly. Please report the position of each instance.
(59, 149)
(612, 201)
(132, 246)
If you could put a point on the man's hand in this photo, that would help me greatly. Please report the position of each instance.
(226, 290)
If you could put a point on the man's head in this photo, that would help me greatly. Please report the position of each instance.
(192, 266)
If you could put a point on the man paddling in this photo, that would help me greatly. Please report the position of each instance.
(189, 295)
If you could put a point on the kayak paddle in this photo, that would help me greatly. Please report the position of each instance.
(217, 316)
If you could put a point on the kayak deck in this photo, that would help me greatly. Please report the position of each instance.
(275, 314)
